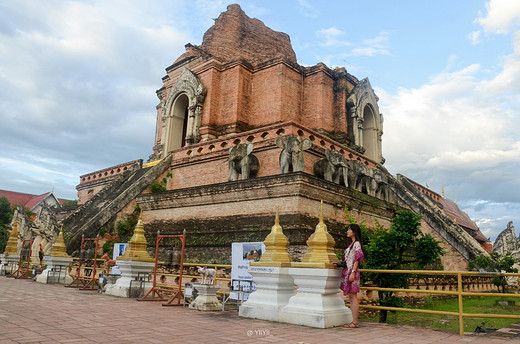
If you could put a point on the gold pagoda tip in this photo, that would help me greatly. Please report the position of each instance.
(59, 249)
(275, 246)
(137, 245)
(11, 247)
(321, 212)
(320, 247)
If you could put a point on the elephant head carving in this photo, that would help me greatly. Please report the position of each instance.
(384, 187)
(334, 167)
(291, 157)
(241, 161)
(360, 177)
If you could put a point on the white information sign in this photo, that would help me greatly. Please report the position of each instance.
(242, 253)
(119, 250)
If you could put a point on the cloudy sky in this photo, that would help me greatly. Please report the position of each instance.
(78, 82)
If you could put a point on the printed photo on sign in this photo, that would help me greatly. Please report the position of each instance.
(242, 253)
(252, 251)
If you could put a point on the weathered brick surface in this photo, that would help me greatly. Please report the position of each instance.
(218, 214)
(257, 42)
(253, 80)
(452, 260)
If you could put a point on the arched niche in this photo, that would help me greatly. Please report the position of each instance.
(365, 121)
(182, 111)
(178, 123)
(369, 133)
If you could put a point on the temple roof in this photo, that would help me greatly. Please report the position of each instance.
(236, 36)
(27, 200)
(452, 211)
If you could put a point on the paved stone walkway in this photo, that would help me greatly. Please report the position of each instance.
(31, 312)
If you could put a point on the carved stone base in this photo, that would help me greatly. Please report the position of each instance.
(53, 263)
(316, 303)
(9, 264)
(206, 298)
(274, 288)
(129, 271)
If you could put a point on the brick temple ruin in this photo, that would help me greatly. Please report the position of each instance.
(241, 128)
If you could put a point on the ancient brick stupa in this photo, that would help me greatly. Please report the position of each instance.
(248, 127)
(242, 126)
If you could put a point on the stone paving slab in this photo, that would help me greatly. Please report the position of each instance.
(43, 313)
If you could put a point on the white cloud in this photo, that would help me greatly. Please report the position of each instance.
(77, 82)
(368, 51)
(380, 41)
(308, 9)
(331, 37)
(378, 45)
(460, 132)
(474, 37)
(508, 80)
(501, 17)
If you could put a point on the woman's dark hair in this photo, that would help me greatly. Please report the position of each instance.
(357, 232)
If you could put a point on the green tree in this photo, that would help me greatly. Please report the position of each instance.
(404, 246)
(159, 186)
(70, 203)
(495, 262)
(6, 214)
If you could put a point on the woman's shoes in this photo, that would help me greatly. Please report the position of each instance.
(352, 325)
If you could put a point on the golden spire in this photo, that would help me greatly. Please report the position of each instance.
(275, 247)
(320, 252)
(136, 250)
(12, 243)
(443, 196)
(59, 249)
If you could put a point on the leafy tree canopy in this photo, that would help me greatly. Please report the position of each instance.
(403, 246)
(495, 262)
(69, 203)
(6, 214)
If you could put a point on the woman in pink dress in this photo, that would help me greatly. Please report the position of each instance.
(350, 275)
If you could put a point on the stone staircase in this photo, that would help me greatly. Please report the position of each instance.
(419, 203)
(96, 212)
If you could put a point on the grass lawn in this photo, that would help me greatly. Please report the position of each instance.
(480, 305)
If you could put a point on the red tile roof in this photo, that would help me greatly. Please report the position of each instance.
(16, 197)
(453, 212)
(27, 200)
(35, 200)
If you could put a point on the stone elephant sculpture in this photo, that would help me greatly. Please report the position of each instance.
(385, 184)
(334, 167)
(241, 161)
(360, 177)
(381, 184)
(291, 157)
